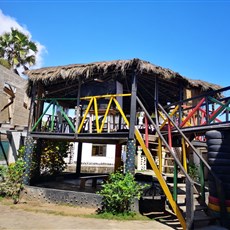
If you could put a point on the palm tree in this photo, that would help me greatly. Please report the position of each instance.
(17, 50)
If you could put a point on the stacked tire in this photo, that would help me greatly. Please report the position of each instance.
(218, 144)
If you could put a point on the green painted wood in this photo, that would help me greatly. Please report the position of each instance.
(52, 118)
(40, 118)
(202, 183)
(175, 172)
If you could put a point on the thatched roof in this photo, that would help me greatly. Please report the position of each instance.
(64, 80)
(101, 69)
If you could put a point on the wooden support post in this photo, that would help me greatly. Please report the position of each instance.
(117, 164)
(133, 107)
(184, 157)
(180, 105)
(202, 181)
(207, 111)
(156, 102)
(29, 145)
(38, 159)
(78, 107)
(175, 172)
(146, 132)
(79, 154)
(31, 113)
(40, 104)
(130, 160)
(159, 152)
(131, 144)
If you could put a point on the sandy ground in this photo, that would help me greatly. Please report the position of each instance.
(35, 215)
(51, 216)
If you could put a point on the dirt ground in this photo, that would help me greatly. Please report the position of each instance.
(34, 215)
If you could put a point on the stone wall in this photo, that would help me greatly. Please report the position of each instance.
(17, 113)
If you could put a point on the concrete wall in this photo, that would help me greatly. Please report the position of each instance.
(94, 164)
(19, 112)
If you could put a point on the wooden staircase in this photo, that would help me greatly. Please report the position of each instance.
(185, 201)
(200, 216)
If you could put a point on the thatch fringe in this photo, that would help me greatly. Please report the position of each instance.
(106, 67)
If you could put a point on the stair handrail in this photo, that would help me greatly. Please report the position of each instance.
(219, 185)
(189, 181)
(206, 97)
(201, 96)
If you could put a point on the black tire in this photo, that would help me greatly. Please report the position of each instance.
(213, 192)
(218, 141)
(217, 134)
(223, 177)
(218, 161)
(219, 148)
(219, 155)
(220, 169)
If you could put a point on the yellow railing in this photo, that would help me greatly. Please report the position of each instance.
(93, 101)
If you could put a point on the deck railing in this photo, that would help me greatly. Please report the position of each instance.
(201, 110)
(87, 117)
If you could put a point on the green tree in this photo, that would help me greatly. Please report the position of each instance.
(17, 49)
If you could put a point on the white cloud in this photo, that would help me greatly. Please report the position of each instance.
(8, 22)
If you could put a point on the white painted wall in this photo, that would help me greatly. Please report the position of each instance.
(87, 157)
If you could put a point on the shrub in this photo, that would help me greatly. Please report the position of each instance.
(119, 192)
(193, 171)
(52, 156)
(11, 180)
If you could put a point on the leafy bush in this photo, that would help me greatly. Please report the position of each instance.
(193, 171)
(52, 156)
(119, 192)
(2, 172)
(11, 180)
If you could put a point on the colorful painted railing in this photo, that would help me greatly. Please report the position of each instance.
(188, 222)
(54, 116)
(202, 110)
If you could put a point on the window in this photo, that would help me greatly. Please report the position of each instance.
(99, 150)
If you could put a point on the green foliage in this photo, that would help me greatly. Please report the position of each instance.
(52, 156)
(119, 192)
(120, 216)
(17, 49)
(193, 171)
(11, 180)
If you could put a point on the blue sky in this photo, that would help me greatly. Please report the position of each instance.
(189, 37)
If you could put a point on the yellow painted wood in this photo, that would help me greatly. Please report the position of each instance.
(106, 114)
(171, 114)
(84, 117)
(160, 179)
(121, 111)
(159, 153)
(96, 114)
(106, 96)
(187, 123)
(184, 154)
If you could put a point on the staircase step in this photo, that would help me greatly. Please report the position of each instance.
(172, 175)
(200, 208)
(201, 219)
(167, 158)
(168, 166)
